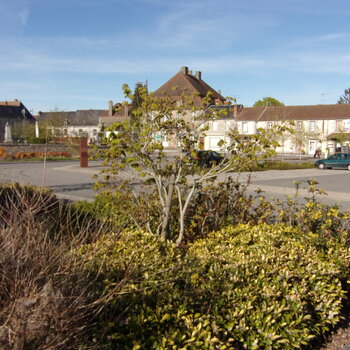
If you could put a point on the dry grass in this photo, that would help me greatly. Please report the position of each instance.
(46, 301)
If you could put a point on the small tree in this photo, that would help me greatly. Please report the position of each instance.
(23, 130)
(345, 99)
(299, 137)
(175, 179)
(136, 102)
(268, 101)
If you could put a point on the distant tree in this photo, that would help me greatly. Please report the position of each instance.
(135, 103)
(345, 99)
(23, 130)
(300, 137)
(268, 101)
(137, 97)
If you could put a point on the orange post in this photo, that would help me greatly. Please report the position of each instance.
(83, 153)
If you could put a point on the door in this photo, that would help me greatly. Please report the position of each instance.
(312, 147)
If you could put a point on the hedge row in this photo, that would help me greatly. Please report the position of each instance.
(23, 155)
(244, 287)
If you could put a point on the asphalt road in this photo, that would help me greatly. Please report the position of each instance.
(280, 184)
(66, 179)
(70, 181)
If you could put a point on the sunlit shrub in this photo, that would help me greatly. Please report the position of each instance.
(254, 287)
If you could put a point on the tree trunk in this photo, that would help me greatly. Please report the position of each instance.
(182, 214)
(167, 208)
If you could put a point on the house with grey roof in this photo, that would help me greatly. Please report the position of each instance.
(15, 113)
(118, 112)
(72, 123)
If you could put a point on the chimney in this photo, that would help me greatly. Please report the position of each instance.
(189, 72)
(198, 75)
(235, 110)
(184, 70)
(110, 108)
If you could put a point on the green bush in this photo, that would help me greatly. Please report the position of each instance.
(122, 209)
(254, 287)
(279, 165)
(37, 140)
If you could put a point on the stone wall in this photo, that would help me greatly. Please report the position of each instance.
(54, 147)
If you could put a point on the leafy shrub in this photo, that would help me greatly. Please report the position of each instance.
(275, 289)
(121, 208)
(279, 165)
(37, 140)
(137, 271)
(254, 287)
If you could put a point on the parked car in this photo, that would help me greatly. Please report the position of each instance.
(206, 158)
(337, 160)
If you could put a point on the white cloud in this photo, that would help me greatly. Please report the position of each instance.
(23, 15)
(14, 16)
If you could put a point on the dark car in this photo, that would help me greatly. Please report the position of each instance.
(337, 160)
(206, 158)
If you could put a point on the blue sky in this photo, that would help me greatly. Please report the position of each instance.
(76, 54)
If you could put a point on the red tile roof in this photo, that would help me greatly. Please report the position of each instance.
(312, 112)
(186, 83)
(14, 103)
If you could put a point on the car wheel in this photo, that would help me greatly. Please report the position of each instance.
(321, 166)
(348, 166)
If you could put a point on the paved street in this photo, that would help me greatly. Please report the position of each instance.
(279, 183)
(70, 181)
(66, 178)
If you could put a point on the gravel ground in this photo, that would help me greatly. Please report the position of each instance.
(340, 340)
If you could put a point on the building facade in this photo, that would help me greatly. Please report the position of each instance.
(315, 127)
(17, 115)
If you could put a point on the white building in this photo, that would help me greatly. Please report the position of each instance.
(324, 127)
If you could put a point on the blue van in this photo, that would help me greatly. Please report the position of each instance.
(337, 160)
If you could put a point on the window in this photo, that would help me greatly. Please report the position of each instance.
(215, 126)
(244, 127)
(269, 125)
(312, 126)
(339, 125)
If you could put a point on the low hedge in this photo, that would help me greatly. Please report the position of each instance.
(244, 287)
